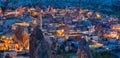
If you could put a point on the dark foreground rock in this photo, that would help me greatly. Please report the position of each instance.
(39, 48)
(83, 50)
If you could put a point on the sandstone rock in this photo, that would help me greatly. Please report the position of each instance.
(21, 36)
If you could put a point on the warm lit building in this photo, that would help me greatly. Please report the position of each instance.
(89, 14)
(22, 24)
(98, 16)
(62, 12)
(60, 32)
(116, 27)
(6, 40)
(1, 12)
(53, 10)
(2, 46)
(111, 35)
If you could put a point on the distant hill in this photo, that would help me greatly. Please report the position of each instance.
(106, 6)
(16, 3)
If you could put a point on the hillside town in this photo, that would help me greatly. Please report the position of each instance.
(66, 30)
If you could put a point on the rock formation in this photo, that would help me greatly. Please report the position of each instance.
(83, 50)
(21, 37)
(39, 48)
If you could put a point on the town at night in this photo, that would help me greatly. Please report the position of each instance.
(59, 28)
